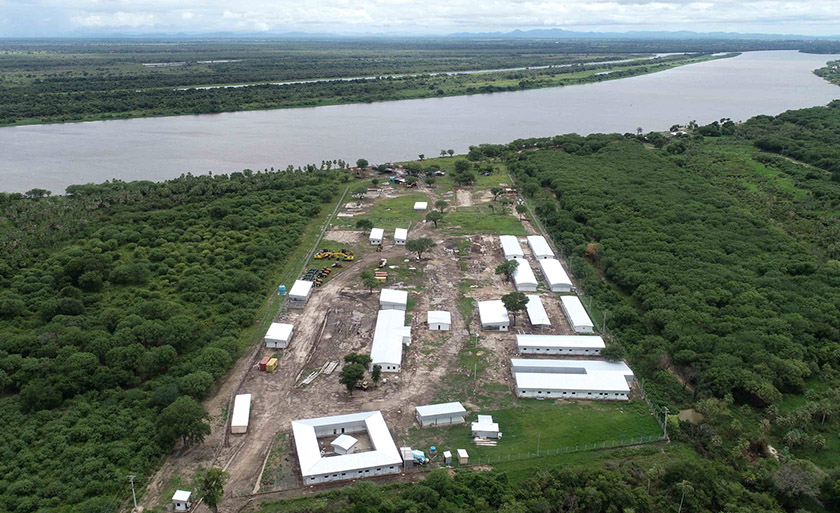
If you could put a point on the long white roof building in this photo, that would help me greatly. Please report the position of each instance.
(575, 379)
(539, 247)
(511, 247)
(493, 315)
(555, 276)
(560, 344)
(523, 277)
(388, 339)
(576, 314)
(534, 365)
(536, 311)
(393, 299)
(383, 458)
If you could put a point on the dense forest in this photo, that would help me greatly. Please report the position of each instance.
(86, 91)
(121, 304)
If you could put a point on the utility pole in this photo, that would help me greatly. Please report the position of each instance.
(133, 495)
(665, 424)
(682, 498)
(538, 443)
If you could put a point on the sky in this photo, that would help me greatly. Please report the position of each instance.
(37, 18)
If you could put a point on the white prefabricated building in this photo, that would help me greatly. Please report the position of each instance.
(493, 315)
(510, 247)
(421, 205)
(536, 312)
(391, 299)
(555, 276)
(567, 345)
(299, 294)
(278, 335)
(539, 247)
(388, 339)
(564, 380)
(576, 314)
(485, 428)
(344, 444)
(523, 277)
(400, 236)
(383, 458)
(444, 414)
(181, 500)
(539, 365)
(241, 414)
(376, 236)
(439, 320)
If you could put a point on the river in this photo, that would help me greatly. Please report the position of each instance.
(54, 156)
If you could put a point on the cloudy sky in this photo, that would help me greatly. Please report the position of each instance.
(91, 17)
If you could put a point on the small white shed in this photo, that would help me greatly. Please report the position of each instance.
(493, 315)
(440, 414)
(421, 205)
(439, 320)
(400, 236)
(241, 414)
(376, 236)
(181, 501)
(299, 294)
(539, 247)
(278, 335)
(576, 315)
(523, 277)
(390, 299)
(510, 247)
(344, 444)
(463, 457)
(485, 428)
(447, 457)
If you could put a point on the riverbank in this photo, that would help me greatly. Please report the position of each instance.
(166, 102)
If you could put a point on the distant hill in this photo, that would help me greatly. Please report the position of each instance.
(680, 34)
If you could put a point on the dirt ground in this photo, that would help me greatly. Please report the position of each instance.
(339, 318)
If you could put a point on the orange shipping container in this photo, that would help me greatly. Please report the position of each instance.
(264, 363)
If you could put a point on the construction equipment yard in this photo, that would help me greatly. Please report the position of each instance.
(463, 364)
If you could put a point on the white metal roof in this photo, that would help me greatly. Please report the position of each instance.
(536, 311)
(575, 341)
(182, 496)
(388, 337)
(462, 453)
(454, 408)
(439, 317)
(597, 381)
(485, 423)
(493, 312)
(575, 310)
(345, 442)
(511, 247)
(377, 233)
(421, 205)
(309, 454)
(279, 331)
(541, 366)
(393, 297)
(554, 272)
(401, 233)
(241, 410)
(301, 289)
(524, 275)
(539, 246)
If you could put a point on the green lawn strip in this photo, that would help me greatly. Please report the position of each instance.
(391, 213)
(547, 425)
(478, 219)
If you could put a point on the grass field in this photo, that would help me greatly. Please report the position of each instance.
(533, 424)
(391, 213)
(476, 220)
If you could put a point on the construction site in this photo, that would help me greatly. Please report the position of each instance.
(338, 316)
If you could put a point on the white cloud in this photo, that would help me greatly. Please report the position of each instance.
(436, 16)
